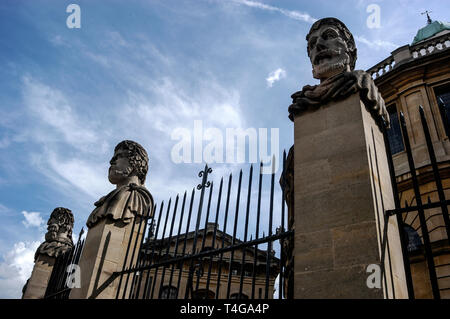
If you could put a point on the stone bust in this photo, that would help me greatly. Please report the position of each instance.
(128, 170)
(333, 53)
(58, 238)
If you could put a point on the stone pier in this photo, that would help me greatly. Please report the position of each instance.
(37, 284)
(342, 186)
(116, 225)
(103, 254)
(58, 241)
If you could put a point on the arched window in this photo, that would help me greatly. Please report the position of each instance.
(238, 296)
(169, 292)
(413, 241)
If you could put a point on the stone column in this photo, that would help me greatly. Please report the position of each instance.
(342, 186)
(37, 284)
(116, 225)
(103, 254)
(58, 241)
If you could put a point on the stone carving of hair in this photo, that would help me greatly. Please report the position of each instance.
(345, 34)
(69, 218)
(137, 156)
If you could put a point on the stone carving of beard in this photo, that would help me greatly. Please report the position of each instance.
(123, 173)
(329, 67)
(52, 233)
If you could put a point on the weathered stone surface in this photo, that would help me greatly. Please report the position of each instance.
(110, 224)
(355, 244)
(314, 251)
(128, 170)
(37, 284)
(340, 283)
(58, 240)
(341, 176)
(333, 55)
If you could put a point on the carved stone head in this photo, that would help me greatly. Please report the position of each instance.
(60, 226)
(58, 238)
(331, 48)
(130, 159)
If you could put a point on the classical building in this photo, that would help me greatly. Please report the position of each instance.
(412, 76)
(205, 280)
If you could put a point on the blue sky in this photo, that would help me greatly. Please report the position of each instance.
(138, 70)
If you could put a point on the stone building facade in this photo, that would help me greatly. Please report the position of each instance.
(157, 250)
(419, 75)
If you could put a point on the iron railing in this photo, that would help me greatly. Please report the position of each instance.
(418, 216)
(207, 262)
(57, 287)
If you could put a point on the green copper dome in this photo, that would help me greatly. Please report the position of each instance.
(430, 30)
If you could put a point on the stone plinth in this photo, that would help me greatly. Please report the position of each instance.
(342, 186)
(37, 284)
(103, 254)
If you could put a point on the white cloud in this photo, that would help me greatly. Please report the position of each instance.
(296, 15)
(16, 268)
(51, 108)
(305, 17)
(74, 150)
(275, 76)
(60, 130)
(376, 44)
(32, 219)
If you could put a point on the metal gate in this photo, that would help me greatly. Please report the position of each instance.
(57, 287)
(185, 253)
(419, 221)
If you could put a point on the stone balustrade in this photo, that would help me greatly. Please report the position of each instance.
(382, 68)
(407, 53)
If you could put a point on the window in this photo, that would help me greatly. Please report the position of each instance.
(395, 133)
(443, 98)
(413, 239)
(169, 292)
(235, 271)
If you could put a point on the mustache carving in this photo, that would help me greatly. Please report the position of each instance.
(120, 172)
(325, 54)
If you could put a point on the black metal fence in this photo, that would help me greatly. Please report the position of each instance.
(415, 218)
(58, 287)
(186, 254)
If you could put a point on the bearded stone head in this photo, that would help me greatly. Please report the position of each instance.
(331, 48)
(60, 226)
(130, 159)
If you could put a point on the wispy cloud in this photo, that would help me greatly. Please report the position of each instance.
(51, 109)
(376, 44)
(306, 17)
(275, 76)
(32, 219)
(296, 15)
